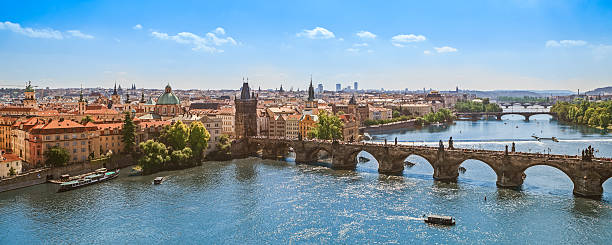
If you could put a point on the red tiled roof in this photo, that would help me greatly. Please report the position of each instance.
(9, 157)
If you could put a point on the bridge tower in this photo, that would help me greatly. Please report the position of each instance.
(245, 120)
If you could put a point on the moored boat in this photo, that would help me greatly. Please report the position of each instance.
(440, 220)
(100, 175)
(158, 180)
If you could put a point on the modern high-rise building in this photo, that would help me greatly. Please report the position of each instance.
(338, 87)
(356, 86)
(320, 88)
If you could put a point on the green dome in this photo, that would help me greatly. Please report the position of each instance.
(168, 98)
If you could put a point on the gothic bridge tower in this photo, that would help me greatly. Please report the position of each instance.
(246, 113)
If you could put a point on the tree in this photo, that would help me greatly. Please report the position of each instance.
(12, 171)
(222, 149)
(329, 127)
(176, 135)
(198, 138)
(128, 135)
(396, 114)
(86, 119)
(56, 156)
(155, 155)
(181, 156)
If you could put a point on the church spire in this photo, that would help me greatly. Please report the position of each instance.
(115, 89)
(311, 93)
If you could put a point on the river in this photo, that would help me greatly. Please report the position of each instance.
(254, 201)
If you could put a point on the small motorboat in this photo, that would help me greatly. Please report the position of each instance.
(440, 220)
(158, 180)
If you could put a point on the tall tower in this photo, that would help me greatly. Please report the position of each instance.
(82, 103)
(245, 120)
(116, 98)
(30, 96)
(311, 103)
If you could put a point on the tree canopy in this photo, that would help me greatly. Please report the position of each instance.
(176, 135)
(198, 139)
(594, 114)
(155, 154)
(128, 133)
(56, 156)
(329, 127)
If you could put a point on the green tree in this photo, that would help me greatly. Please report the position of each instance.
(12, 171)
(396, 114)
(56, 156)
(155, 155)
(176, 135)
(222, 149)
(181, 156)
(329, 127)
(86, 119)
(198, 139)
(128, 133)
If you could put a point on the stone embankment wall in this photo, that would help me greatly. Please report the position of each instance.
(390, 126)
(39, 176)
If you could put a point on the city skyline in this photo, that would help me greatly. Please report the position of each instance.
(439, 45)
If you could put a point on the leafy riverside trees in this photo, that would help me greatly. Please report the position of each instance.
(179, 146)
(56, 156)
(329, 127)
(128, 133)
(594, 114)
(442, 115)
(471, 106)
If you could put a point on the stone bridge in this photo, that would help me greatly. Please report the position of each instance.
(498, 115)
(587, 176)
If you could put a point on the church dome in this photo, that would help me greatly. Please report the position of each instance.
(168, 98)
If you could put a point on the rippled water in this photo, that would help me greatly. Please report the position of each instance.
(254, 201)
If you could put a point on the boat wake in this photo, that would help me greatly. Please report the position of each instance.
(400, 217)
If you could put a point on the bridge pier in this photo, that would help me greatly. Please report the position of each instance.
(510, 179)
(499, 117)
(389, 162)
(588, 185)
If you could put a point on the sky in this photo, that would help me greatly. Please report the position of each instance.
(484, 45)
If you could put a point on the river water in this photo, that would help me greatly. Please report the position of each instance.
(254, 201)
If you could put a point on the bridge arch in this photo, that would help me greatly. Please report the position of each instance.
(315, 153)
(606, 184)
(414, 164)
(548, 176)
(473, 170)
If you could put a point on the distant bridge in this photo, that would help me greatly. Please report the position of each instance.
(587, 176)
(525, 104)
(498, 115)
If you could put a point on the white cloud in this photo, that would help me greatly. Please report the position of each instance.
(137, 27)
(366, 35)
(35, 33)
(402, 40)
(352, 50)
(445, 49)
(360, 45)
(317, 33)
(427, 52)
(565, 43)
(79, 34)
(220, 31)
(208, 43)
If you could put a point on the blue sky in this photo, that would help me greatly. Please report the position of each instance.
(519, 44)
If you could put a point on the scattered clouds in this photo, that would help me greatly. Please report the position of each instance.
(402, 40)
(137, 27)
(360, 45)
(565, 43)
(47, 33)
(30, 32)
(366, 35)
(316, 33)
(445, 49)
(209, 43)
(79, 34)
(352, 50)
(427, 52)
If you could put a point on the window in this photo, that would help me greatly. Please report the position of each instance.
(74, 150)
(82, 149)
(82, 142)
(48, 137)
(65, 143)
(74, 143)
(66, 136)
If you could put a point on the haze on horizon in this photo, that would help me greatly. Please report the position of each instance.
(483, 45)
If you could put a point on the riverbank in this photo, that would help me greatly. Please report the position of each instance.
(40, 176)
(380, 128)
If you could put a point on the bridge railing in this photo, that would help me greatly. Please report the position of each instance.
(465, 150)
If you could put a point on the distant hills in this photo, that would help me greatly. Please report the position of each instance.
(518, 93)
(604, 90)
